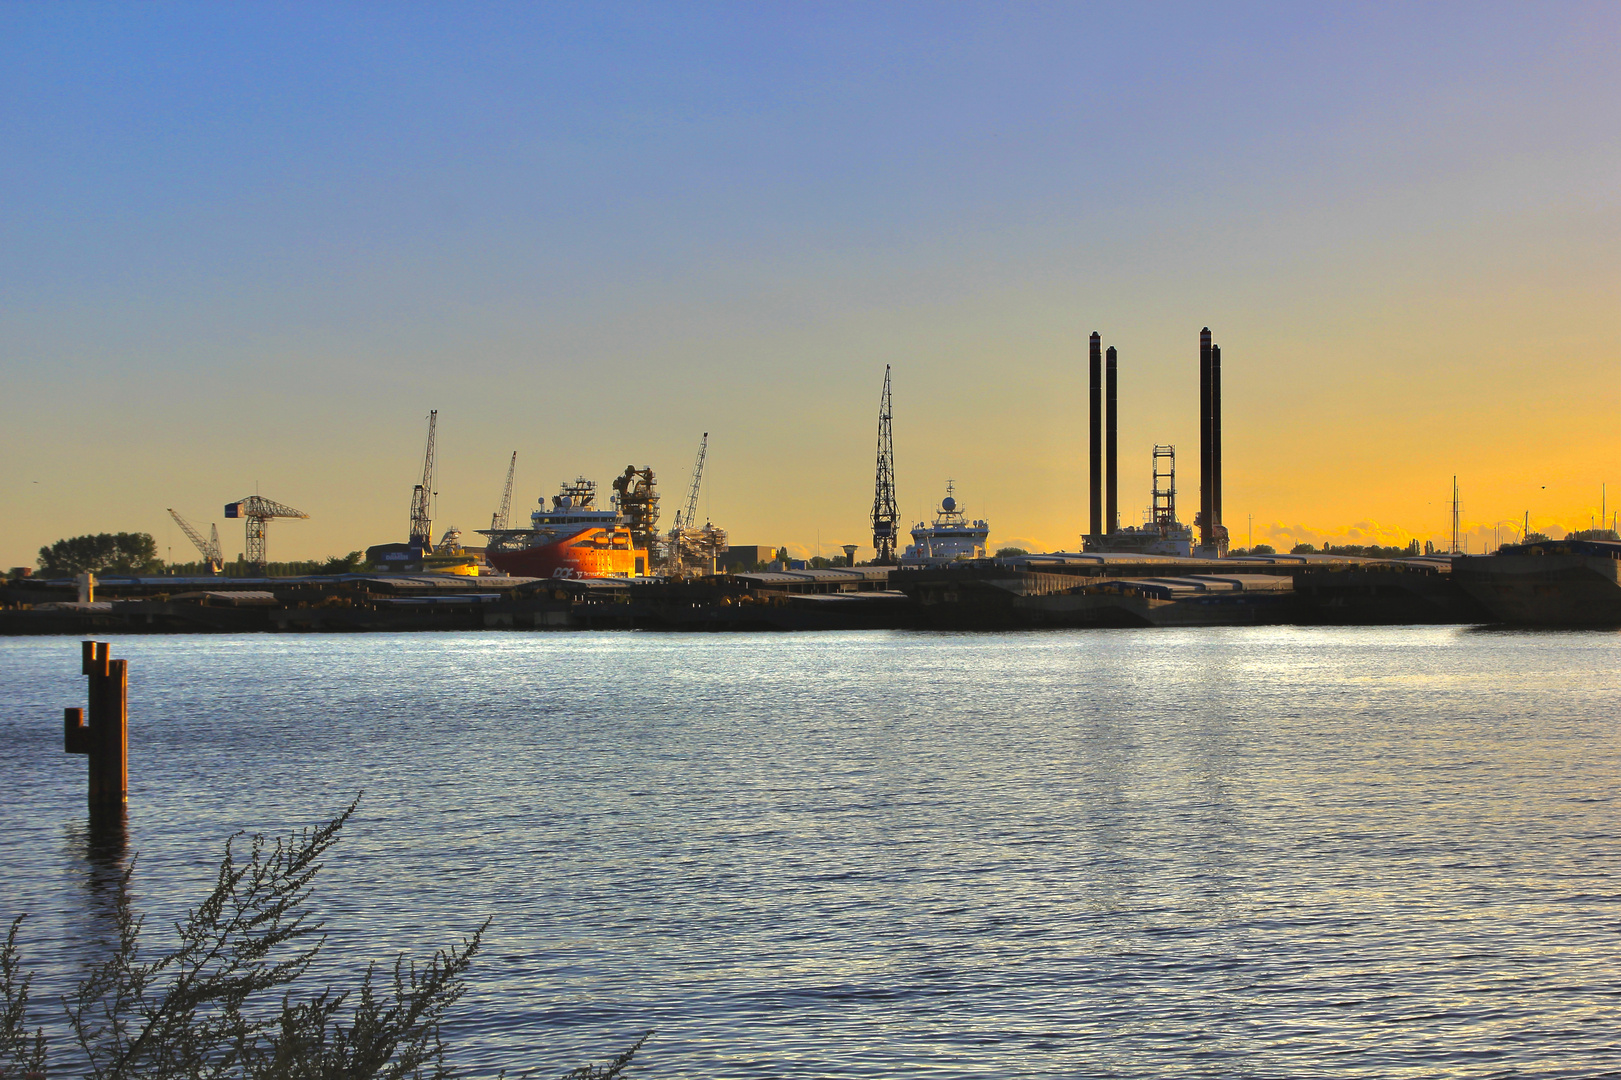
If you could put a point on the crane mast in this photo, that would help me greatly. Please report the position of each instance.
(884, 513)
(498, 520)
(422, 498)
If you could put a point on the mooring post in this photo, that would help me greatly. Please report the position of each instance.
(105, 739)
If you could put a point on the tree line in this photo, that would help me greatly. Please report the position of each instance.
(137, 553)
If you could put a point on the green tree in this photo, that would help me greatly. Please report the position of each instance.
(1010, 552)
(217, 1004)
(117, 552)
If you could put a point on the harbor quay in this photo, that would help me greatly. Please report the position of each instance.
(1555, 583)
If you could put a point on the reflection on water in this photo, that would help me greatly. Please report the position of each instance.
(1158, 853)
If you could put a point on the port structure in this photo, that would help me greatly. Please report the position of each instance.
(885, 516)
(686, 539)
(259, 511)
(422, 496)
(213, 555)
(1212, 533)
(636, 494)
(1164, 489)
(498, 520)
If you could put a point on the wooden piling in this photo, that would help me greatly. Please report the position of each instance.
(105, 739)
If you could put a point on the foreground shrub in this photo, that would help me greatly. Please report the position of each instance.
(218, 1003)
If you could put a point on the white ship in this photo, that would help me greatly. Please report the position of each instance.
(951, 538)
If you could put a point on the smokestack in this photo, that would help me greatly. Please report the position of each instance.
(1206, 537)
(1097, 436)
(1215, 438)
(1111, 514)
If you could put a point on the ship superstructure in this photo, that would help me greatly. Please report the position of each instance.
(570, 538)
(951, 538)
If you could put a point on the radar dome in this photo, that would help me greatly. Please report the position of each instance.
(948, 504)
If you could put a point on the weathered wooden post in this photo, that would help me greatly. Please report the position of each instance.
(105, 740)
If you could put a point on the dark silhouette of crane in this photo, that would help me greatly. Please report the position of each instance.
(259, 511)
(498, 520)
(685, 517)
(422, 497)
(210, 548)
(884, 514)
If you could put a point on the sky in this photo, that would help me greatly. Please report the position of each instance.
(248, 247)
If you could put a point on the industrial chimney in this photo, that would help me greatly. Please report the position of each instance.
(1111, 515)
(1097, 437)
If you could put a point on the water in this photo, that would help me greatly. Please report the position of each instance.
(1237, 852)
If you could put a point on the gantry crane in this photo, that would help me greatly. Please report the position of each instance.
(884, 514)
(258, 511)
(498, 520)
(422, 497)
(212, 555)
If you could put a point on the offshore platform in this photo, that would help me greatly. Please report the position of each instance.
(1162, 533)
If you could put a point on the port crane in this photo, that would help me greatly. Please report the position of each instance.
(422, 497)
(885, 516)
(498, 520)
(685, 517)
(259, 511)
(212, 553)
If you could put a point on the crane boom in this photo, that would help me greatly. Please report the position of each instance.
(209, 548)
(684, 520)
(499, 519)
(422, 497)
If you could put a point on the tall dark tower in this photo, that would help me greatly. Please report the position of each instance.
(1215, 442)
(1111, 514)
(1207, 534)
(1097, 437)
(884, 513)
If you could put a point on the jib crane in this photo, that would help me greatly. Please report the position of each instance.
(212, 554)
(259, 510)
(685, 517)
(498, 520)
(885, 516)
(422, 497)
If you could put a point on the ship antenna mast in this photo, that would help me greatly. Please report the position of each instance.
(884, 513)
(421, 499)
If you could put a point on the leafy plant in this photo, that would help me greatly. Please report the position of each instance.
(217, 1004)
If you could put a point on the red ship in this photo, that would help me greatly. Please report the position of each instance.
(571, 539)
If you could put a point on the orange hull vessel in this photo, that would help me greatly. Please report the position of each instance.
(571, 539)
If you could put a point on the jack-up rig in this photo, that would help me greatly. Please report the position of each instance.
(213, 556)
(1161, 533)
(259, 511)
(885, 517)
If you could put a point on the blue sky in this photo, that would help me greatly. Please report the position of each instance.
(256, 243)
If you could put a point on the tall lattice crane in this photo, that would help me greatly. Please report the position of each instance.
(685, 516)
(422, 498)
(259, 511)
(884, 514)
(212, 554)
(498, 520)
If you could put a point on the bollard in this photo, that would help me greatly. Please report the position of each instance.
(105, 739)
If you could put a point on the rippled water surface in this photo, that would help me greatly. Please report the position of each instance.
(1361, 852)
